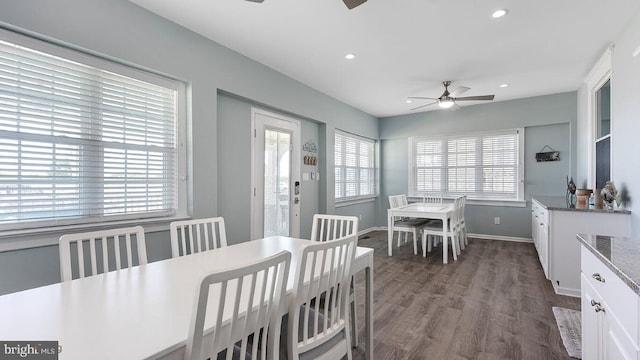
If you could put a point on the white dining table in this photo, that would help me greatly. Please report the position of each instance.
(423, 211)
(143, 312)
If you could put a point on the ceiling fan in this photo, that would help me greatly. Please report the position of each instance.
(448, 99)
(350, 3)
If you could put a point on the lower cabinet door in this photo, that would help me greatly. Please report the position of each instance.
(618, 345)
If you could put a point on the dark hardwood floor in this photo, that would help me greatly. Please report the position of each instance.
(493, 303)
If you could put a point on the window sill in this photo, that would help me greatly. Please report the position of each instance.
(48, 236)
(483, 202)
(341, 203)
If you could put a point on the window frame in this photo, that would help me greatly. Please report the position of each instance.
(66, 51)
(517, 200)
(348, 200)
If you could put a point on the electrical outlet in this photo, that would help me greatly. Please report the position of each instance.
(496, 220)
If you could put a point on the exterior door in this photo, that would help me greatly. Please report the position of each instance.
(276, 175)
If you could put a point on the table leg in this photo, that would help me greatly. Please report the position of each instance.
(389, 233)
(369, 309)
(445, 241)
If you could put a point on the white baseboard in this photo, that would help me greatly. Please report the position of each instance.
(566, 291)
(375, 228)
(501, 238)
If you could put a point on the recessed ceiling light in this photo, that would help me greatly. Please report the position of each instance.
(504, 85)
(499, 13)
(408, 101)
(350, 56)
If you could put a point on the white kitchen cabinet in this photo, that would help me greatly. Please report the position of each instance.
(555, 237)
(540, 233)
(610, 314)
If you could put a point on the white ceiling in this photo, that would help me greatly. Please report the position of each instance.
(408, 47)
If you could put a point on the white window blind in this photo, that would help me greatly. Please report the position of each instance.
(354, 167)
(81, 142)
(482, 166)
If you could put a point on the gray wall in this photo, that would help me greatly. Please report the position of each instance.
(548, 120)
(121, 30)
(234, 185)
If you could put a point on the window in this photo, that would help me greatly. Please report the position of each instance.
(83, 139)
(354, 167)
(482, 166)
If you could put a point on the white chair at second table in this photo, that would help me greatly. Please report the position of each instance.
(315, 329)
(252, 295)
(464, 241)
(194, 236)
(435, 229)
(108, 250)
(405, 226)
(432, 198)
(332, 227)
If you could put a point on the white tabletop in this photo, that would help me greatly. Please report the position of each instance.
(137, 313)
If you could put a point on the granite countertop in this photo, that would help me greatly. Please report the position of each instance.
(560, 203)
(620, 254)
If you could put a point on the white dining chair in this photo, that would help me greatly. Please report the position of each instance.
(463, 227)
(193, 236)
(405, 226)
(102, 251)
(240, 318)
(332, 227)
(432, 198)
(432, 229)
(320, 330)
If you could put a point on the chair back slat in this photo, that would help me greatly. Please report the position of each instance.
(193, 236)
(109, 246)
(244, 315)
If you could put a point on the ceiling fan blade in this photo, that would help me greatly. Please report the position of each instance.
(459, 91)
(474, 98)
(421, 97)
(421, 106)
(353, 3)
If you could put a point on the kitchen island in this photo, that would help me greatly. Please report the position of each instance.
(555, 223)
(610, 297)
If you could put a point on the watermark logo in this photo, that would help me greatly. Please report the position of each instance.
(40, 350)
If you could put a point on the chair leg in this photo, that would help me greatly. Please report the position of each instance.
(429, 243)
(354, 316)
(454, 247)
(415, 242)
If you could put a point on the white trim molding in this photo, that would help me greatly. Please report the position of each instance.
(598, 76)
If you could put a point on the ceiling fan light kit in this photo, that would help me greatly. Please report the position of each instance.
(446, 103)
(448, 99)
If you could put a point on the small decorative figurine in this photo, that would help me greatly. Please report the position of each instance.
(609, 194)
(571, 191)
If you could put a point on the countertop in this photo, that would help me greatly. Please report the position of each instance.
(560, 203)
(620, 254)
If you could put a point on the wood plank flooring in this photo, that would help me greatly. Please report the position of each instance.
(493, 303)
